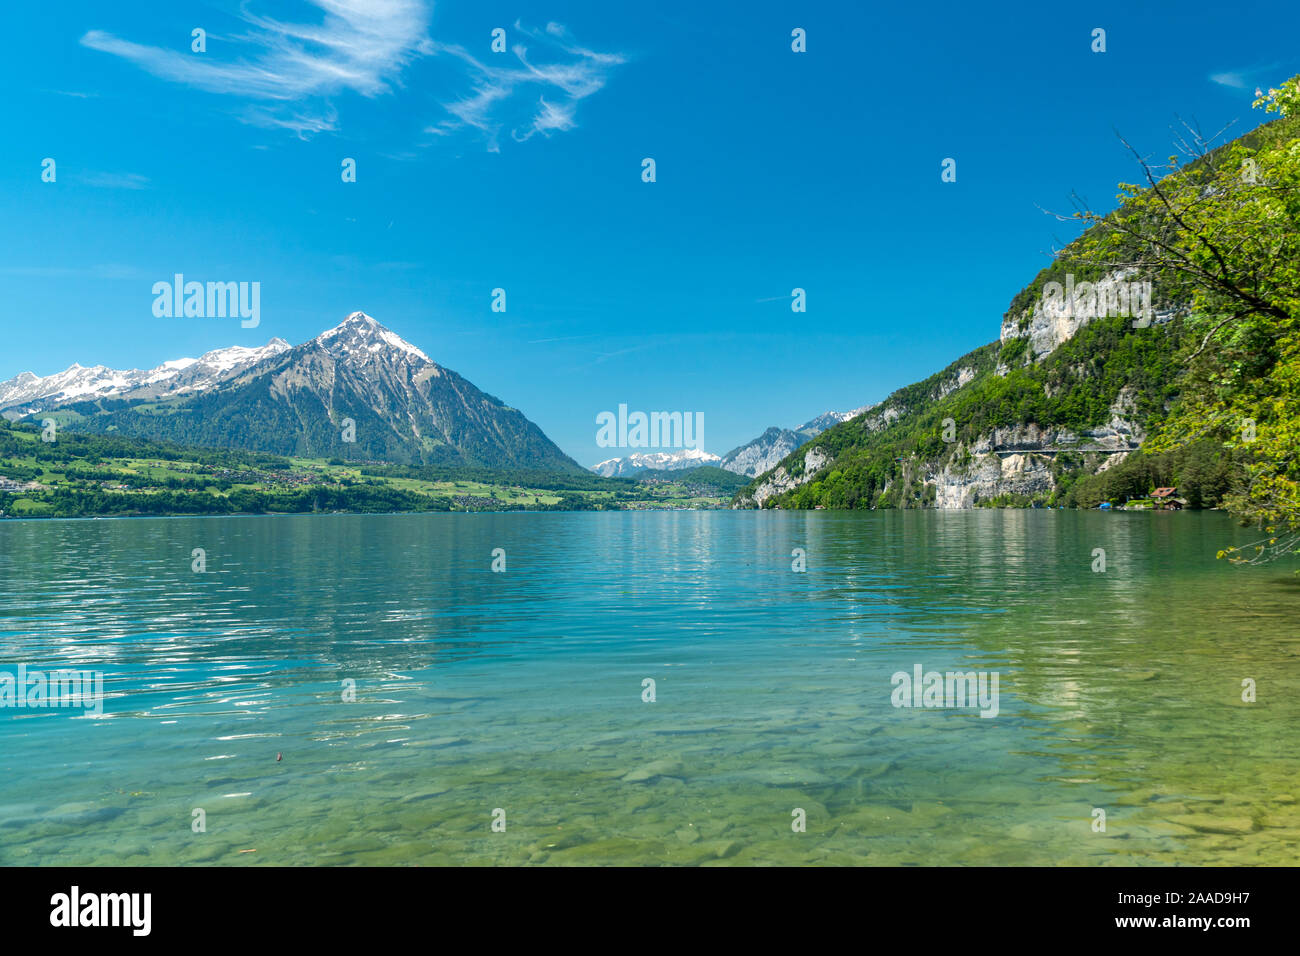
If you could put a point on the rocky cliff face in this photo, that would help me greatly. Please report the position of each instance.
(1059, 313)
(763, 453)
(780, 480)
(768, 450)
(1017, 461)
(1006, 461)
(1013, 463)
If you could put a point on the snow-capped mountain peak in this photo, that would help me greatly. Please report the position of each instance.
(406, 408)
(358, 337)
(29, 392)
(361, 333)
(236, 356)
(655, 461)
(829, 419)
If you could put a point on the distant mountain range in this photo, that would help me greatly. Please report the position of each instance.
(638, 462)
(768, 449)
(403, 407)
(29, 393)
(750, 459)
(357, 381)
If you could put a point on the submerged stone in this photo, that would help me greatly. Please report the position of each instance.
(424, 794)
(657, 768)
(1209, 823)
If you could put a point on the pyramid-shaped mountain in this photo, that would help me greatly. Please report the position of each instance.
(357, 391)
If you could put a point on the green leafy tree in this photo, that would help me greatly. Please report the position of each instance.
(1223, 235)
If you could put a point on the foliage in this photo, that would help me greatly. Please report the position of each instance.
(109, 475)
(1205, 474)
(1216, 381)
(1228, 228)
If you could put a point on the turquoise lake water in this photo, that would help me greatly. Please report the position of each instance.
(1119, 691)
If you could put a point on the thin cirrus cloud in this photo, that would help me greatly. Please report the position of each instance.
(1234, 80)
(288, 71)
(113, 180)
(526, 95)
(359, 46)
(1245, 78)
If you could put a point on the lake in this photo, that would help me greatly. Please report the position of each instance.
(520, 697)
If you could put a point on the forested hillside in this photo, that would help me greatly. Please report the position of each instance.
(1200, 392)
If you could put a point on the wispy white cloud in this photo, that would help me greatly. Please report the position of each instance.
(113, 180)
(289, 71)
(1243, 78)
(553, 116)
(1234, 80)
(303, 123)
(359, 46)
(526, 95)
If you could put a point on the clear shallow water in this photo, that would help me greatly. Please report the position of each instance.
(523, 690)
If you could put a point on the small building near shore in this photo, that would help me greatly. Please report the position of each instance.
(1164, 499)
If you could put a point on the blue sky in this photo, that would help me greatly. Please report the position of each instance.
(522, 170)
